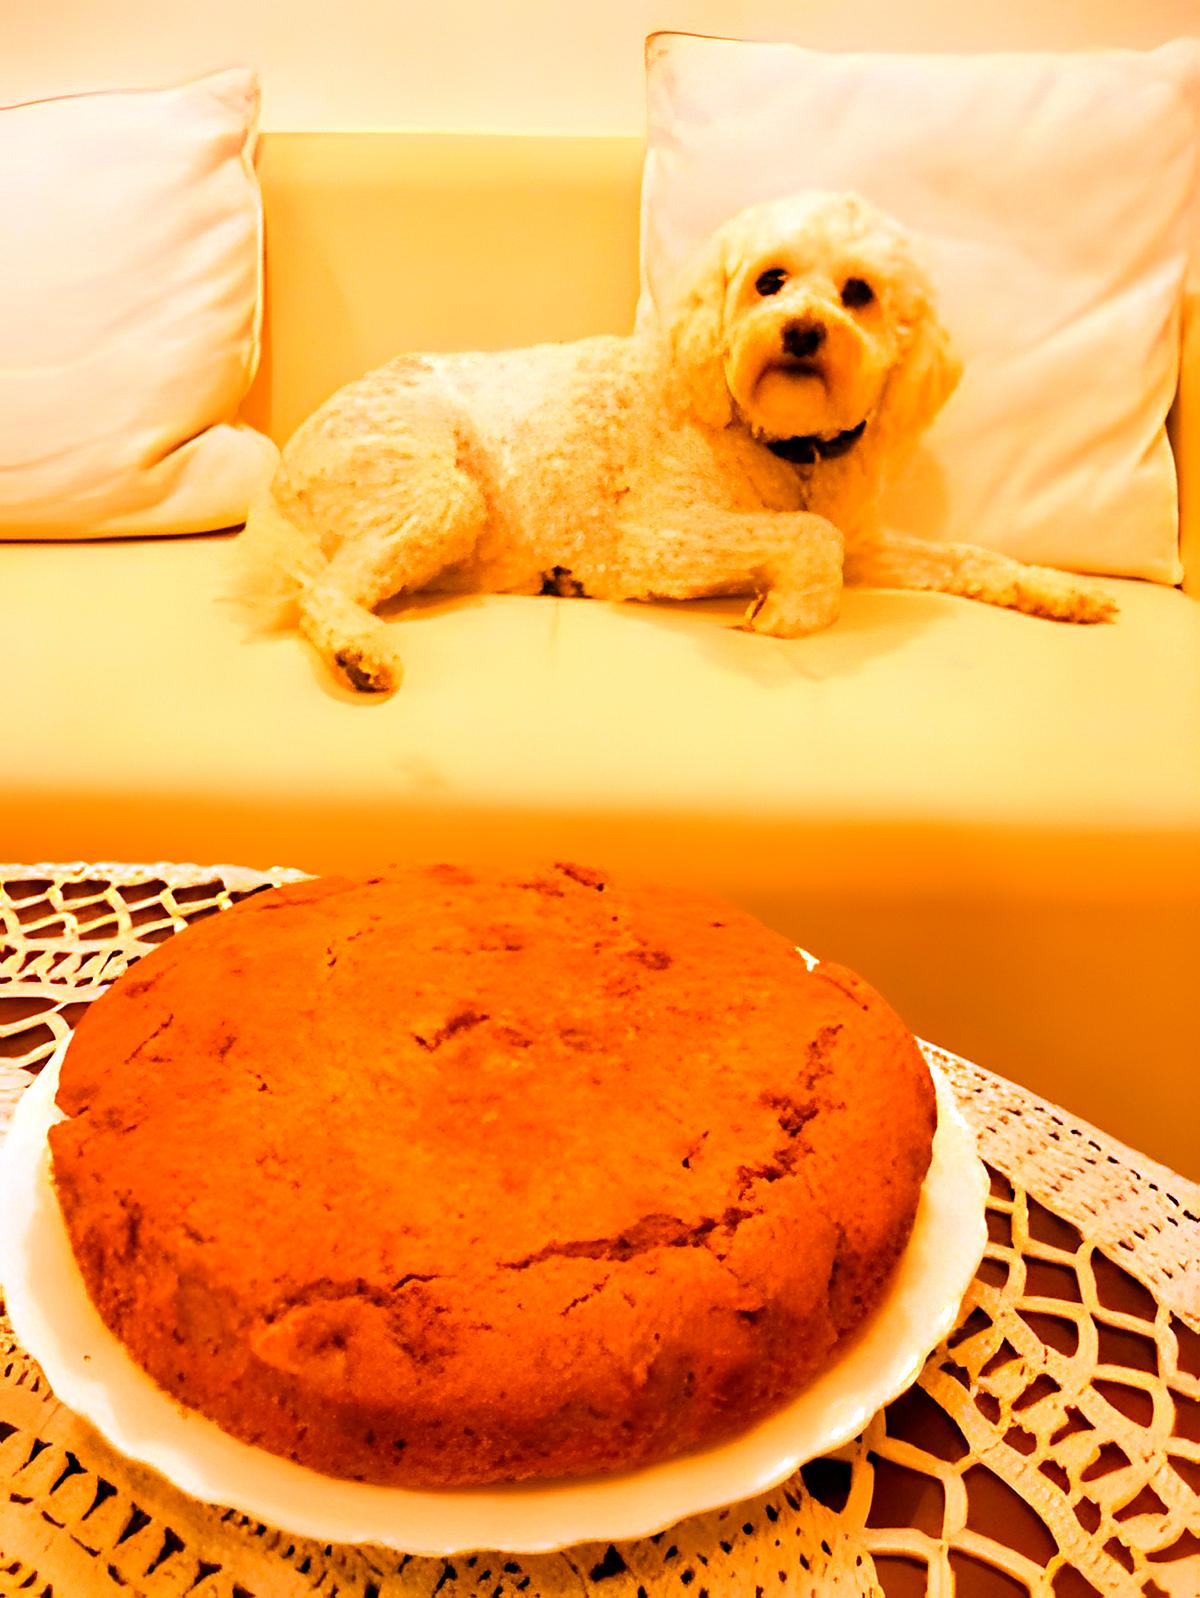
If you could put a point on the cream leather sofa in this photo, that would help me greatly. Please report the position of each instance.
(994, 818)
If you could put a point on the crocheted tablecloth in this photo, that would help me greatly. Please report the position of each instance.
(1050, 1446)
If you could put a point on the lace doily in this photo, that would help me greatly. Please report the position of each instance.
(1050, 1447)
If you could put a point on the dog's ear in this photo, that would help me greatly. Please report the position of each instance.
(926, 375)
(694, 322)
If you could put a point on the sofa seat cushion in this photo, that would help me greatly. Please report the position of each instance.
(996, 818)
(134, 681)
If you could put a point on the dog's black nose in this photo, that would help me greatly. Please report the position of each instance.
(803, 339)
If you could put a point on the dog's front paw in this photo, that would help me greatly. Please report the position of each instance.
(781, 613)
(1093, 604)
(801, 586)
(1060, 597)
(365, 675)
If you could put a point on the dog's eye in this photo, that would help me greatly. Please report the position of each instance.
(856, 292)
(770, 281)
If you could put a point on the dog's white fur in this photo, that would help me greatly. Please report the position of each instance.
(640, 468)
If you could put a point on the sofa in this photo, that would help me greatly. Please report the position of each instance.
(996, 819)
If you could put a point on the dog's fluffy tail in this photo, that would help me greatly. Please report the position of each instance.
(898, 560)
(278, 585)
(275, 562)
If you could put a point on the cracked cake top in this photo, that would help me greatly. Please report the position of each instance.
(456, 1175)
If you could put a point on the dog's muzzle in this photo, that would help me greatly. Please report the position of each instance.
(811, 447)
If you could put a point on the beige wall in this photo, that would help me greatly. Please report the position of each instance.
(497, 65)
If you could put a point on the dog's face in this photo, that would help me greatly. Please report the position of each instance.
(808, 321)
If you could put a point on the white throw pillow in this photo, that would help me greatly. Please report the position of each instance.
(130, 305)
(1057, 196)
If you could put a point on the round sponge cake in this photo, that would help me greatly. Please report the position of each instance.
(456, 1176)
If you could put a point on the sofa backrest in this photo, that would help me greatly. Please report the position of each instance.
(382, 242)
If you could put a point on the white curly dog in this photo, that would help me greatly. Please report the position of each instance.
(738, 450)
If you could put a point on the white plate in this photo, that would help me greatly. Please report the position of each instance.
(90, 1372)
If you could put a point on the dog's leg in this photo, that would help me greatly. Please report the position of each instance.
(790, 560)
(898, 560)
(385, 551)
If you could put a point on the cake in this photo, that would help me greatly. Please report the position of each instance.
(453, 1176)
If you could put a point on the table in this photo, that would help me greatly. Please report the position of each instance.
(1050, 1446)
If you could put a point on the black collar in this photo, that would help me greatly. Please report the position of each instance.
(810, 449)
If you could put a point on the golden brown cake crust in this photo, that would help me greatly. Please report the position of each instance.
(459, 1176)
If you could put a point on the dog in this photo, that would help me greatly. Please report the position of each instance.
(737, 448)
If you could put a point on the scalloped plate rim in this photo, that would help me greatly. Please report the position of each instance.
(54, 1320)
